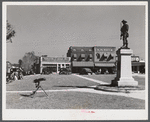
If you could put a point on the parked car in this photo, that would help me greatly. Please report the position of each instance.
(105, 71)
(99, 71)
(86, 71)
(113, 71)
(46, 70)
(65, 71)
(142, 70)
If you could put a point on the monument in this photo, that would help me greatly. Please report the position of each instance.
(124, 33)
(124, 68)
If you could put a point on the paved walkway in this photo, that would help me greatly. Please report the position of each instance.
(138, 94)
(90, 79)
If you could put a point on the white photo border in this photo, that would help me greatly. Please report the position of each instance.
(57, 114)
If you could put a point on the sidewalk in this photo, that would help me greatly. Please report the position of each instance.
(139, 75)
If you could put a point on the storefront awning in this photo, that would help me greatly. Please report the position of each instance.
(104, 64)
(138, 63)
(82, 64)
(49, 65)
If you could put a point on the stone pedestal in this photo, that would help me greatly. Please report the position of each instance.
(124, 69)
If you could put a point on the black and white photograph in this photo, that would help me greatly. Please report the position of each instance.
(75, 60)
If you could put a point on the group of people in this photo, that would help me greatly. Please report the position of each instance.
(14, 74)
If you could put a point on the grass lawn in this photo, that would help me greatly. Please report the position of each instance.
(67, 99)
(72, 100)
(53, 82)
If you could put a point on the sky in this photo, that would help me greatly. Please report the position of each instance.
(52, 29)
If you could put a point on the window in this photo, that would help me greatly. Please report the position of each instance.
(58, 67)
(82, 50)
(105, 55)
(98, 55)
(74, 49)
(67, 65)
(90, 56)
(82, 55)
(75, 55)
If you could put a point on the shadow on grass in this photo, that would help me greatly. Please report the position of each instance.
(75, 86)
(32, 96)
(107, 88)
(104, 87)
(26, 95)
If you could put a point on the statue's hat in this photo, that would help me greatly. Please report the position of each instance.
(123, 21)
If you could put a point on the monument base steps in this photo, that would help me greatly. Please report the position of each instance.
(127, 82)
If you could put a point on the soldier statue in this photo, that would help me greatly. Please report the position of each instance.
(124, 33)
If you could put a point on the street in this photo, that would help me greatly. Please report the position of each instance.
(72, 92)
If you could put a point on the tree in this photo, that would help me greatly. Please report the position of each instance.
(29, 60)
(20, 62)
(10, 32)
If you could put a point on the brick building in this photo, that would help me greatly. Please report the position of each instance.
(96, 57)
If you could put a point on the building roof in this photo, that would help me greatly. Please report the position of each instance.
(55, 59)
